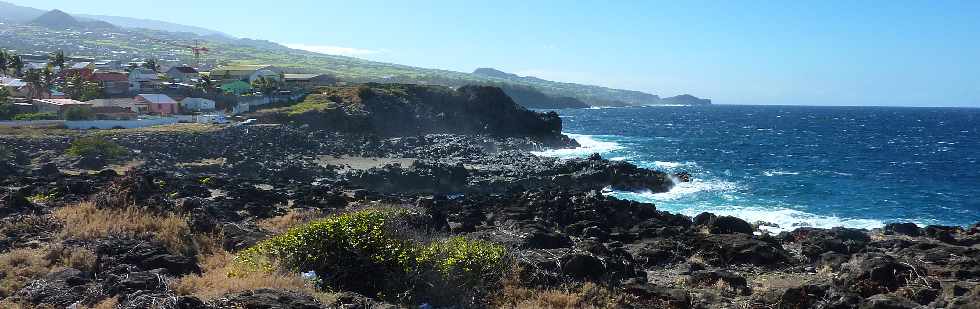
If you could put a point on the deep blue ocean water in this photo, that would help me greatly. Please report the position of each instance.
(798, 166)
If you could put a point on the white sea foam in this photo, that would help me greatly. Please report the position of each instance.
(773, 172)
(587, 146)
(787, 219)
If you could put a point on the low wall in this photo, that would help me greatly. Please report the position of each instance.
(31, 123)
(126, 124)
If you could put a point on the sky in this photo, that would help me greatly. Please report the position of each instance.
(874, 52)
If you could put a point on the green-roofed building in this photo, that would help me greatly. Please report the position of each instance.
(237, 87)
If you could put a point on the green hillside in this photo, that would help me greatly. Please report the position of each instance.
(167, 47)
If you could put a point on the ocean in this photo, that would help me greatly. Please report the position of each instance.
(797, 166)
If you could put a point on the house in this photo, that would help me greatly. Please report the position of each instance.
(197, 104)
(143, 78)
(83, 69)
(246, 73)
(127, 103)
(160, 104)
(236, 87)
(309, 81)
(16, 87)
(108, 65)
(57, 106)
(112, 83)
(183, 73)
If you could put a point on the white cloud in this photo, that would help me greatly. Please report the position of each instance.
(334, 50)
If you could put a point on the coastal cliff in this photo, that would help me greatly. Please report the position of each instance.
(386, 196)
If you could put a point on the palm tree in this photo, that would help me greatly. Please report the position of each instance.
(151, 64)
(17, 64)
(4, 62)
(57, 59)
(205, 84)
(267, 85)
(34, 82)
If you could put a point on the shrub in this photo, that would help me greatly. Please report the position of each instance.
(36, 116)
(94, 146)
(79, 113)
(359, 251)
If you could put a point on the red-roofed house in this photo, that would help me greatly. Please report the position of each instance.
(157, 103)
(113, 83)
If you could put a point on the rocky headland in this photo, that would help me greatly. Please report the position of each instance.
(406, 196)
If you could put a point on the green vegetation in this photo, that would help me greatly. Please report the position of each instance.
(77, 88)
(94, 146)
(79, 113)
(36, 116)
(315, 102)
(345, 249)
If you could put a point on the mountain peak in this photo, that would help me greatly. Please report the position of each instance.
(491, 72)
(56, 19)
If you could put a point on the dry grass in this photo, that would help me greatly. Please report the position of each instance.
(19, 267)
(588, 295)
(214, 281)
(108, 303)
(295, 217)
(85, 221)
(78, 258)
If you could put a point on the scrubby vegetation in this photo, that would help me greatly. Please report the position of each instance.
(36, 116)
(94, 146)
(312, 103)
(344, 249)
(86, 221)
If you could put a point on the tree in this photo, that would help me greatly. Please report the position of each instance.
(205, 84)
(4, 62)
(16, 63)
(266, 85)
(77, 88)
(79, 113)
(57, 59)
(35, 83)
(4, 95)
(151, 64)
(39, 81)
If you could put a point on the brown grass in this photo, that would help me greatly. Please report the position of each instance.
(588, 295)
(214, 281)
(85, 221)
(293, 218)
(78, 258)
(19, 267)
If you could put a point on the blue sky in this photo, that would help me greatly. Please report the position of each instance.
(915, 53)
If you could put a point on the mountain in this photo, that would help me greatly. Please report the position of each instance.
(686, 99)
(592, 95)
(139, 23)
(18, 14)
(532, 98)
(56, 19)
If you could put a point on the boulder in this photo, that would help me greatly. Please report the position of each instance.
(268, 299)
(582, 266)
(907, 229)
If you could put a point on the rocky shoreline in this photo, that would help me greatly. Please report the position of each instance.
(146, 227)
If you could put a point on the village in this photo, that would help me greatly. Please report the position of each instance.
(86, 93)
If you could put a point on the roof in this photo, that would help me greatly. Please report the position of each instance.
(300, 76)
(110, 77)
(61, 102)
(121, 102)
(237, 70)
(185, 70)
(157, 98)
(236, 86)
(80, 65)
(12, 82)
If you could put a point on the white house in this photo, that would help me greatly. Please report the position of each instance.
(197, 104)
(140, 78)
